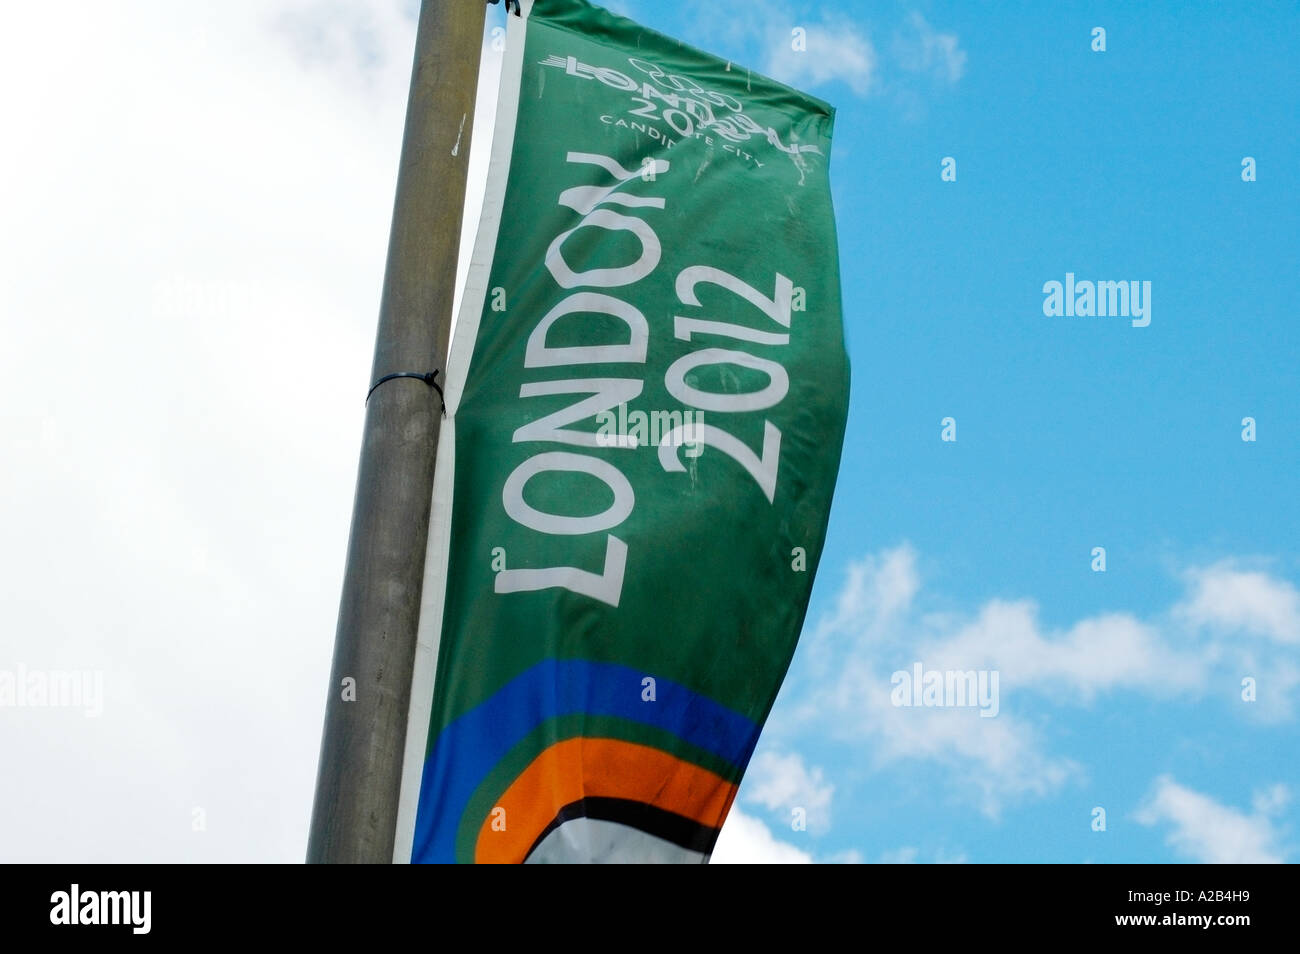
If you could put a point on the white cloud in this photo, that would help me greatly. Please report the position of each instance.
(623, 8)
(831, 52)
(1096, 654)
(195, 231)
(1228, 598)
(1206, 830)
(906, 855)
(810, 52)
(910, 855)
(347, 40)
(877, 589)
(1271, 800)
(792, 48)
(1249, 622)
(988, 760)
(745, 840)
(876, 628)
(919, 48)
(782, 783)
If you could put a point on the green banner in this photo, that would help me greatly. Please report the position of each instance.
(647, 395)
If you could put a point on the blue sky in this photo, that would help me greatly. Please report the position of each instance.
(1119, 689)
(197, 212)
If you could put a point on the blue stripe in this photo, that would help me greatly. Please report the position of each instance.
(468, 749)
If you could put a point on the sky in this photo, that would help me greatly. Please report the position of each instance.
(195, 204)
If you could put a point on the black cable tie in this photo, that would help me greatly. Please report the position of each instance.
(429, 378)
(508, 2)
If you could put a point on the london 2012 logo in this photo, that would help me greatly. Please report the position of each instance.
(669, 107)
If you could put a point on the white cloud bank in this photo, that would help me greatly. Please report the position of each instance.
(1228, 598)
(875, 629)
(1205, 830)
(784, 785)
(196, 201)
(920, 48)
(837, 46)
(825, 52)
(747, 841)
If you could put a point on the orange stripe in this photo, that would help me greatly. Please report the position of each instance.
(601, 768)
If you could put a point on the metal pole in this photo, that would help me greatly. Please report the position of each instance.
(355, 810)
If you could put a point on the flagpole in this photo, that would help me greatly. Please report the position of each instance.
(359, 774)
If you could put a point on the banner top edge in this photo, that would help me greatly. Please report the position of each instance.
(559, 12)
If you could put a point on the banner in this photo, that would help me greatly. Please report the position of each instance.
(646, 399)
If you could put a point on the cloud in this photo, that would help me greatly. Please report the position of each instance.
(919, 48)
(1225, 597)
(1096, 654)
(623, 8)
(873, 631)
(809, 53)
(910, 855)
(877, 628)
(782, 783)
(1206, 830)
(1249, 621)
(877, 589)
(196, 252)
(359, 42)
(816, 54)
(746, 841)
(989, 761)
(1271, 800)
(906, 855)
